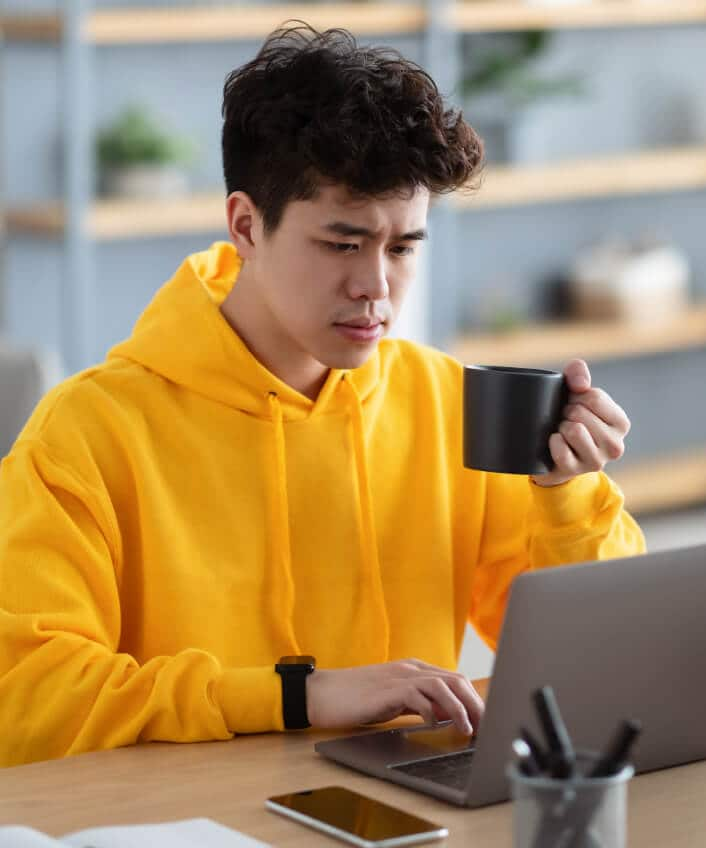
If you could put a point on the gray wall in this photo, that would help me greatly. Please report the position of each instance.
(646, 89)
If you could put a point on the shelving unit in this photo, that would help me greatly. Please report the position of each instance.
(79, 220)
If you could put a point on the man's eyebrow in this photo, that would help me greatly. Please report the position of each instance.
(342, 228)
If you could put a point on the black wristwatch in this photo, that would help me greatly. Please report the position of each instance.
(294, 671)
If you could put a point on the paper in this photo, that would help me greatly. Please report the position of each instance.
(188, 833)
(15, 836)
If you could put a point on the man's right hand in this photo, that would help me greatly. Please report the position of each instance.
(374, 693)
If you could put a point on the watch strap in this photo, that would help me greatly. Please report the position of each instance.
(294, 695)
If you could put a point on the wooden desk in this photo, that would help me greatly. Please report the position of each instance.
(229, 781)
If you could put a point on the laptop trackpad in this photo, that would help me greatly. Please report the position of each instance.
(401, 745)
(435, 741)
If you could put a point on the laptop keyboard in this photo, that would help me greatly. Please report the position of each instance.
(452, 770)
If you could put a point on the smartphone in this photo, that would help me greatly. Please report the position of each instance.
(355, 818)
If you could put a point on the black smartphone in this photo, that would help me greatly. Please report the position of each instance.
(355, 818)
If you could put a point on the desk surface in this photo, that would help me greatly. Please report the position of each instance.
(229, 781)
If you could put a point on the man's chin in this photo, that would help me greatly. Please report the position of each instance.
(352, 357)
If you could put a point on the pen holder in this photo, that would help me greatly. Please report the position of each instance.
(580, 812)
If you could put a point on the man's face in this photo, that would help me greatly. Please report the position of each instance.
(331, 279)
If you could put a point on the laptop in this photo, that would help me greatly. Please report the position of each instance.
(621, 638)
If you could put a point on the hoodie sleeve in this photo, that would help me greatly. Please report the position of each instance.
(64, 686)
(529, 527)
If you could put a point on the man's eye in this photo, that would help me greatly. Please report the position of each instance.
(403, 250)
(341, 246)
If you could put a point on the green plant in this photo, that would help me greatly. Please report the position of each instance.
(135, 138)
(503, 66)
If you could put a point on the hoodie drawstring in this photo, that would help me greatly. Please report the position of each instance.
(369, 546)
(283, 579)
(282, 586)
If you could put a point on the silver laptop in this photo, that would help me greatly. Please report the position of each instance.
(621, 638)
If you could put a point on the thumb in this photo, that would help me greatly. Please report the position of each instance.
(578, 377)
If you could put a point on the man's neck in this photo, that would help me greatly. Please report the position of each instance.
(270, 347)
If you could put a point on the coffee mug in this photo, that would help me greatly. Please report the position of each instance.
(508, 416)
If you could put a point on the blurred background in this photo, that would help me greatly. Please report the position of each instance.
(585, 237)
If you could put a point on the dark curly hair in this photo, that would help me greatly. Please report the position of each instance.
(314, 108)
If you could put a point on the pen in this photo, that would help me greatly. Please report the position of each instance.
(538, 753)
(614, 758)
(561, 750)
(611, 762)
(526, 762)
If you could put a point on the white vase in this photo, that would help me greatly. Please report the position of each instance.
(147, 181)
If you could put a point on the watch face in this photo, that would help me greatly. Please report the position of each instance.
(300, 660)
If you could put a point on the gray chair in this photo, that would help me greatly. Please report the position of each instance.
(25, 375)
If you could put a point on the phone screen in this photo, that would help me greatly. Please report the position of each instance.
(355, 814)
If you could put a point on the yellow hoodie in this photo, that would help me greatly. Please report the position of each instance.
(175, 519)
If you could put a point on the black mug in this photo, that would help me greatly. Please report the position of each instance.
(509, 415)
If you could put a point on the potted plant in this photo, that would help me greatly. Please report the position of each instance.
(137, 157)
(501, 89)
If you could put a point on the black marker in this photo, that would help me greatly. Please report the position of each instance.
(615, 757)
(526, 762)
(611, 762)
(561, 751)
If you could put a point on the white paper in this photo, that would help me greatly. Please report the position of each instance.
(188, 833)
(15, 836)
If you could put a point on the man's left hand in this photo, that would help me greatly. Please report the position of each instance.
(591, 433)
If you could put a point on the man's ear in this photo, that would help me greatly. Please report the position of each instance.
(243, 223)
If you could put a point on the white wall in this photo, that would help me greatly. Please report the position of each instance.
(662, 532)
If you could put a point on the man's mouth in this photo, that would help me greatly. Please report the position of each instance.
(362, 324)
(361, 331)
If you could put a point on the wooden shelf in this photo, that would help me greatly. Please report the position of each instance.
(135, 26)
(30, 27)
(665, 170)
(224, 23)
(233, 22)
(556, 343)
(119, 219)
(42, 219)
(485, 15)
(669, 482)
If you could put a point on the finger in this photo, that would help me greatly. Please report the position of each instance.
(565, 460)
(460, 684)
(467, 695)
(603, 405)
(578, 377)
(418, 703)
(608, 441)
(438, 691)
(579, 440)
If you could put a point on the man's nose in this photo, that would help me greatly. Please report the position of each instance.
(370, 281)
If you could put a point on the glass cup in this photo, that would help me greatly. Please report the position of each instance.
(581, 812)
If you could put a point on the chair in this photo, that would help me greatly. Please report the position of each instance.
(25, 375)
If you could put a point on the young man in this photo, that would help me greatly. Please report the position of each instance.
(258, 472)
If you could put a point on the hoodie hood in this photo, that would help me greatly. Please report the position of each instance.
(184, 337)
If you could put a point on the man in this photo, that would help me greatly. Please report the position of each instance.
(258, 472)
